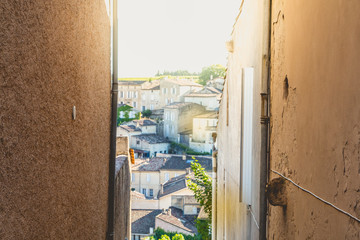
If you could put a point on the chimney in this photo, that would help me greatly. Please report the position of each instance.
(169, 212)
(184, 157)
(151, 230)
(161, 188)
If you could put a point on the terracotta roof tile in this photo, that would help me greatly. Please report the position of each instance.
(143, 220)
(174, 217)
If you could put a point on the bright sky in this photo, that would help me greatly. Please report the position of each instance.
(173, 34)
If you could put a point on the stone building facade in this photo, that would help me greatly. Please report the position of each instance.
(178, 117)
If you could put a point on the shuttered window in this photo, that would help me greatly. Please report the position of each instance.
(247, 135)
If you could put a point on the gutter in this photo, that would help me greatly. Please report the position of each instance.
(265, 121)
(110, 235)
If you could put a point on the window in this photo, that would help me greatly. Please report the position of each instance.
(121, 102)
(143, 108)
(128, 94)
(144, 191)
(135, 94)
(167, 177)
(134, 104)
(121, 94)
(148, 177)
(166, 101)
(173, 90)
(151, 193)
(137, 142)
(133, 177)
(155, 154)
(164, 90)
(171, 100)
(160, 151)
(151, 107)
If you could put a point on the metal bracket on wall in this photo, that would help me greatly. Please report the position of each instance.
(74, 113)
(264, 119)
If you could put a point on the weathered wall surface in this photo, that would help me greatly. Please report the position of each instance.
(315, 126)
(122, 198)
(54, 170)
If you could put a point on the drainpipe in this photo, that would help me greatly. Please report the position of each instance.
(110, 235)
(265, 121)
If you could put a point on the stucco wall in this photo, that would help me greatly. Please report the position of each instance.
(54, 170)
(232, 220)
(211, 103)
(144, 204)
(141, 182)
(315, 119)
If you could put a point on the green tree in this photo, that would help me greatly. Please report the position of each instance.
(176, 73)
(213, 71)
(165, 237)
(201, 185)
(178, 237)
(147, 113)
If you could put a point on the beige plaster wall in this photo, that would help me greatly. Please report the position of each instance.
(54, 170)
(315, 128)
(231, 219)
(141, 181)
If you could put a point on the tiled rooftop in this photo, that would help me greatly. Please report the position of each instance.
(177, 163)
(179, 105)
(175, 217)
(151, 138)
(183, 82)
(211, 114)
(130, 128)
(145, 122)
(153, 164)
(205, 92)
(143, 220)
(137, 195)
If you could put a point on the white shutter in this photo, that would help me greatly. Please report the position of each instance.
(247, 128)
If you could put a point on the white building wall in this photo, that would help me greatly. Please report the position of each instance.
(159, 148)
(148, 129)
(211, 103)
(144, 204)
(232, 220)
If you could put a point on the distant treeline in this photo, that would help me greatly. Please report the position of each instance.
(176, 73)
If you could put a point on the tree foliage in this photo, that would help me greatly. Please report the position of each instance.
(213, 71)
(147, 113)
(159, 233)
(201, 185)
(176, 73)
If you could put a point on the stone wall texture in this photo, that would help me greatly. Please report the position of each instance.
(315, 116)
(54, 170)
